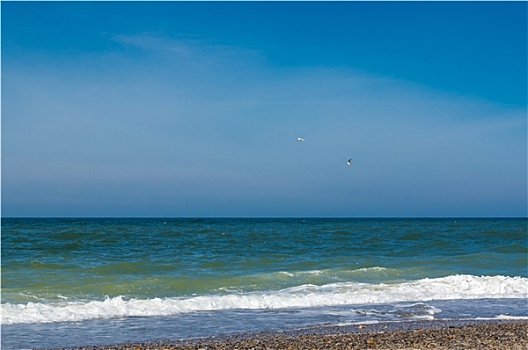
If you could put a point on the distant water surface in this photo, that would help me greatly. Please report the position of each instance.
(72, 282)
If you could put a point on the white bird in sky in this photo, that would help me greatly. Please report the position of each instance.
(300, 139)
(349, 161)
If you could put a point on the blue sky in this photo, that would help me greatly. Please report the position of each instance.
(193, 109)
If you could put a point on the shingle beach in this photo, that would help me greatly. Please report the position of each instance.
(414, 335)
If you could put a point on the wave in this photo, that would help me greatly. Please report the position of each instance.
(302, 296)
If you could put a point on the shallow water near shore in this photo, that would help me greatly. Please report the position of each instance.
(205, 324)
(73, 282)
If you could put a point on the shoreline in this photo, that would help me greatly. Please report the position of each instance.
(437, 334)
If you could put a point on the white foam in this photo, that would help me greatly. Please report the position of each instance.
(504, 317)
(445, 288)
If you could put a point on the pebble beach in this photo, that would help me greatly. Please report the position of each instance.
(502, 335)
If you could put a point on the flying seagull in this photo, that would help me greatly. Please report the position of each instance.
(349, 161)
(300, 139)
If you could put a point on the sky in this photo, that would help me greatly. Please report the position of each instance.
(193, 109)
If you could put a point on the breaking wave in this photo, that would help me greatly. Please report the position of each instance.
(306, 295)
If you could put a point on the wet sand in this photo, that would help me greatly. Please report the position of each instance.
(452, 335)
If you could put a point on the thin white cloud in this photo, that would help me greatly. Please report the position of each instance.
(153, 43)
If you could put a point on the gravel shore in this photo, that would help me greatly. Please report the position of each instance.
(504, 335)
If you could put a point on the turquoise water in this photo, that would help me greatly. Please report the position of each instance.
(62, 273)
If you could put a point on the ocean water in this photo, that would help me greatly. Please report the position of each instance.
(73, 282)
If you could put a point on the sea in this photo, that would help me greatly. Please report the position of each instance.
(93, 281)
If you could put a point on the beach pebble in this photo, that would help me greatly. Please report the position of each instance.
(480, 336)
